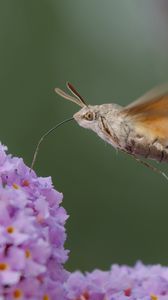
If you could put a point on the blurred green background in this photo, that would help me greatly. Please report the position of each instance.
(112, 51)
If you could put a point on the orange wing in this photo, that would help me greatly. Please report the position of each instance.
(150, 114)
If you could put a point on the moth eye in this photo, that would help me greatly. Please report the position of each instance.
(89, 116)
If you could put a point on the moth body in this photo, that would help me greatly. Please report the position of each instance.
(117, 129)
(141, 144)
(139, 129)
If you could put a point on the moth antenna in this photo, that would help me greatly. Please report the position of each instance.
(154, 169)
(43, 137)
(67, 96)
(75, 93)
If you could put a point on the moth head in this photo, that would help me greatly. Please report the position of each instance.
(87, 115)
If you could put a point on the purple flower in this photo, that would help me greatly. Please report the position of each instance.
(32, 234)
(32, 254)
(120, 283)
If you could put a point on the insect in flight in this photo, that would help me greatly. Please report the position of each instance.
(139, 129)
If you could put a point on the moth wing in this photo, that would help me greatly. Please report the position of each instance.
(155, 93)
(150, 113)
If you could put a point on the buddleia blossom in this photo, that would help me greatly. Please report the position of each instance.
(32, 234)
(120, 283)
(32, 254)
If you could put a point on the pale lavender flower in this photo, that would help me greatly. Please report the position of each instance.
(120, 283)
(32, 234)
(32, 254)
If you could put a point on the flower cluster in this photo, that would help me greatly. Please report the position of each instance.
(32, 234)
(120, 283)
(32, 253)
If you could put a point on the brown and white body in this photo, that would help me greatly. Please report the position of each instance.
(139, 129)
(118, 129)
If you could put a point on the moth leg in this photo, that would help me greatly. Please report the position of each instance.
(148, 165)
